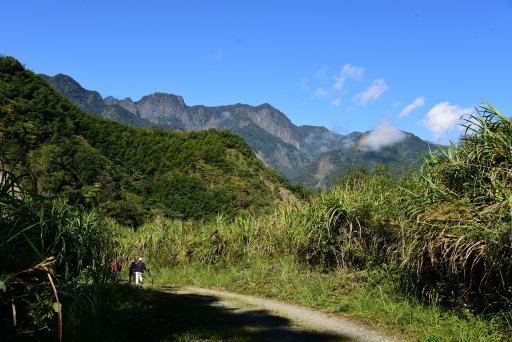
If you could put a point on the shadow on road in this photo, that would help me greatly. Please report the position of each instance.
(167, 316)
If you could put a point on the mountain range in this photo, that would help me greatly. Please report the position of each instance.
(310, 155)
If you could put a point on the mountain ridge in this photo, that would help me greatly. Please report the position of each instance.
(275, 139)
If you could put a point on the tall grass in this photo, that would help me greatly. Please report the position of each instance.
(459, 237)
(350, 226)
(353, 225)
(47, 248)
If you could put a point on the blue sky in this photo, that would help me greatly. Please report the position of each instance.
(346, 65)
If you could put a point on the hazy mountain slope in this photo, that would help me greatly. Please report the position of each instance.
(127, 172)
(317, 140)
(331, 165)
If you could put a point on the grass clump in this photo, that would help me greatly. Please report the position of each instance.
(350, 226)
(51, 264)
(458, 245)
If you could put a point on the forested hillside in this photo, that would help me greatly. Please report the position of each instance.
(128, 173)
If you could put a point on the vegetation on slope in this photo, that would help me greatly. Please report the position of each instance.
(128, 173)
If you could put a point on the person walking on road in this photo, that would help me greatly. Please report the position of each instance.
(131, 271)
(115, 268)
(139, 269)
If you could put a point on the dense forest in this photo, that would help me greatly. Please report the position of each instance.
(128, 173)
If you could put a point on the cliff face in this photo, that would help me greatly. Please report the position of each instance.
(127, 104)
(276, 123)
(168, 108)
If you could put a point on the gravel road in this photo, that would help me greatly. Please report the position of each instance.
(278, 321)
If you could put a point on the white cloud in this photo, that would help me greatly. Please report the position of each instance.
(304, 84)
(321, 73)
(384, 135)
(347, 143)
(338, 85)
(348, 71)
(336, 102)
(216, 56)
(444, 117)
(377, 88)
(352, 71)
(417, 103)
(320, 93)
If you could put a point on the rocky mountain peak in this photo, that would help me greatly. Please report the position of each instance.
(127, 104)
(67, 79)
(91, 101)
(110, 100)
(275, 122)
(169, 99)
(161, 107)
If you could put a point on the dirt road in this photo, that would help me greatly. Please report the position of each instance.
(270, 320)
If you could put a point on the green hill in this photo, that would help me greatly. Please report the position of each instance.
(129, 173)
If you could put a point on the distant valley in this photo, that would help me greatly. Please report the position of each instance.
(310, 155)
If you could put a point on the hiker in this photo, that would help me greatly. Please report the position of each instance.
(131, 269)
(139, 269)
(115, 268)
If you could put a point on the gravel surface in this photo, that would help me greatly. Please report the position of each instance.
(278, 321)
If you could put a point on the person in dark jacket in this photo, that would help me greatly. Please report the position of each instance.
(139, 269)
(131, 271)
